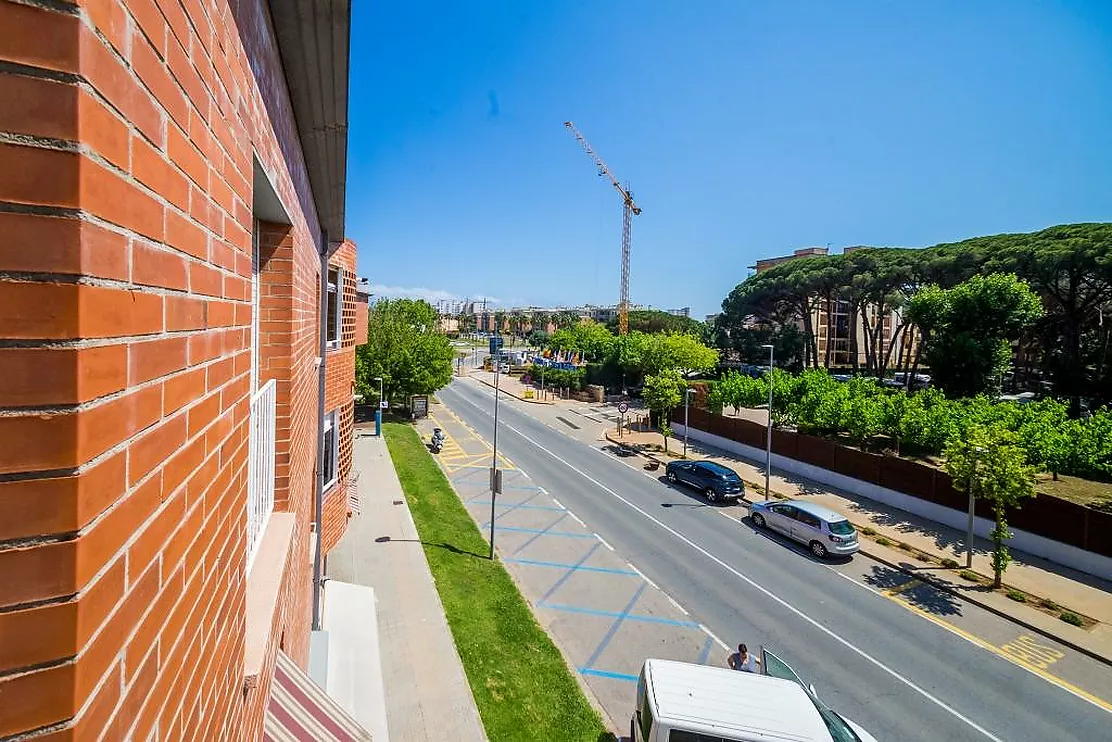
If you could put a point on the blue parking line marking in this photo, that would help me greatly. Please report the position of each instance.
(582, 568)
(544, 532)
(514, 506)
(537, 533)
(608, 674)
(706, 650)
(615, 614)
(616, 625)
(571, 570)
(528, 487)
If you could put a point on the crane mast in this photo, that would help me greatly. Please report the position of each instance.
(629, 210)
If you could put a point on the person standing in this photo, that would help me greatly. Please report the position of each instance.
(743, 661)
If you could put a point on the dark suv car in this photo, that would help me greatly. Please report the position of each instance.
(716, 482)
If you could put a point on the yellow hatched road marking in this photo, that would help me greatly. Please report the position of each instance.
(1014, 657)
(506, 463)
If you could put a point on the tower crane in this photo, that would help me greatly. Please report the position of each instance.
(629, 210)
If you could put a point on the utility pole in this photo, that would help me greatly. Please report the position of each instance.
(495, 474)
(768, 442)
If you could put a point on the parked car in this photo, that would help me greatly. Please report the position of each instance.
(820, 529)
(715, 481)
(683, 701)
(504, 368)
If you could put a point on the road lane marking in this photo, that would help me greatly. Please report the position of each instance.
(903, 587)
(988, 647)
(772, 596)
(1028, 649)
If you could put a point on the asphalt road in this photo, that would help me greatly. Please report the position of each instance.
(899, 676)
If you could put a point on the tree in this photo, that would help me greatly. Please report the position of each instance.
(986, 462)
(967, 330)
(404, 348)
(662, 393)
(673, 351)
(655, 320)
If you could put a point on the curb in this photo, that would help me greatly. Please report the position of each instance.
(935, 583)
(511, 394)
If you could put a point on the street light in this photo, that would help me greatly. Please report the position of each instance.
(768, 428)
(686, 397)
(969, 534)
(495, 479)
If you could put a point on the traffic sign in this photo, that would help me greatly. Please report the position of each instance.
(495, 344)
(623, 408)
(384, 404)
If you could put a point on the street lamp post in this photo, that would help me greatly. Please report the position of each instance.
(768, 428)
(969, 533)
(494, 478)
(378, 409)
(686, 398)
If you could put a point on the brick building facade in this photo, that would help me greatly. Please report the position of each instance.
(170, 180)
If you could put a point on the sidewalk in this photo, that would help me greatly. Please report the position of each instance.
(1074, 590)
(426, 689)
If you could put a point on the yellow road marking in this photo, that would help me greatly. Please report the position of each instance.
(506, 463)
(903, 587)
(1014, 658)
(1028, 649)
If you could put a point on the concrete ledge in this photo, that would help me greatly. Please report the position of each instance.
(264, 585)
(1040, 546)
(354, 658)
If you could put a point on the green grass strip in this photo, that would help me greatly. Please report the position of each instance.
(522, 686)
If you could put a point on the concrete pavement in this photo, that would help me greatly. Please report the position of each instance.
(427, 694)
(951, 667)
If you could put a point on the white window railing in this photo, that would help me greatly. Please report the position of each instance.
(260, 466)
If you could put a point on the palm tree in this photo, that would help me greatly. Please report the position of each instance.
(499, 321)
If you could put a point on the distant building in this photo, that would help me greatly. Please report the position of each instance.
(683, 312)
(830, 320)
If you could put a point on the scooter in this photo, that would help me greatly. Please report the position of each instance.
(437, 440)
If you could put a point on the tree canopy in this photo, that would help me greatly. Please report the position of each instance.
(966, 331)
(1068, 267)
(405, 349)
(656, 320)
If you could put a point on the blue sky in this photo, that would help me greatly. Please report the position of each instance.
(746, 129)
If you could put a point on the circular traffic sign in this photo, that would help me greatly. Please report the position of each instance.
(623, 408)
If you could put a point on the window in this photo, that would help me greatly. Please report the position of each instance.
(808, 519)
(331, 449)
(335, 312)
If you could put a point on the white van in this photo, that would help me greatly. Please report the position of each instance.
(682, 702)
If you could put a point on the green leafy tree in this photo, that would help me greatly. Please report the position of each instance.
(404, 348)
(662, 393)
(986, 461)
(967, 330)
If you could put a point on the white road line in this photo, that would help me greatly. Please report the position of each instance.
(971, 639)
(771, 595)
(643, 576)
(672, 600)
(712, 636)
(600, 538)
(576, 518)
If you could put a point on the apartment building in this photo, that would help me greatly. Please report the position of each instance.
(831, 320)
(178, 317)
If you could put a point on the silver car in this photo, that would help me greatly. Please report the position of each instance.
(822, 530)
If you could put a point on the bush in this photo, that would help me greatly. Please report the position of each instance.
(949, 563)
(1017, 596)
(969, 575)
(905, 547)
(1072, 618)
(922, 557)
(868, 531)
(883, 541)
(1048, 604)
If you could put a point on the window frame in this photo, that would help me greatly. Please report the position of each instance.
(332, 452)
(334, 330)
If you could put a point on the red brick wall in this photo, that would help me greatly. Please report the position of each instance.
(125, 210)
(338, 391)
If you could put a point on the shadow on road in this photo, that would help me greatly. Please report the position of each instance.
(913, 591)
